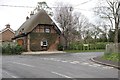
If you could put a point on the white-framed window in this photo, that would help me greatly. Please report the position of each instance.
(44, 43)
(47, 30)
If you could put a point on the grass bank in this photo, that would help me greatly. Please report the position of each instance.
(112, 56)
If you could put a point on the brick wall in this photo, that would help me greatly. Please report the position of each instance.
(53, 47)
(36, 38)
(7, 35)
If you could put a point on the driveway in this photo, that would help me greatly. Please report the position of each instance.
(68, 65)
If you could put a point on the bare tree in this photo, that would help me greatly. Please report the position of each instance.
(109, 10)
(83, 25)
(64, 15)
(103, 29)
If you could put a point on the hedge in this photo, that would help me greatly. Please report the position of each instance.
(12, 49)
(92, 46)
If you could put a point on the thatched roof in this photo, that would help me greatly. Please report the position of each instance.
(40, 17)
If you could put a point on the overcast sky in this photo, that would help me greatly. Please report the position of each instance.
(15, 16)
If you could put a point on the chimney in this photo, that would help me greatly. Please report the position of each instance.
(27, 18)
(7, 25)
(32, 13)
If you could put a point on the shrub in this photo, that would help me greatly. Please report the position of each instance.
(80, 47)
(101, 45)
(92, 46)
(12, 49)
(60, 47)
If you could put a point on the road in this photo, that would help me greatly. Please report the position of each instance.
(76, 65)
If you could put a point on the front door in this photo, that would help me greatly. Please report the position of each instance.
(20, 42)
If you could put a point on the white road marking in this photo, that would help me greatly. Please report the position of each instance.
(84, 63)
(9, 74)
(64, 61)
(57, 60)
(52, 58)
(62, 75)
(97, 65)
(23, 64)
(107, 67)
(74, 62)
(93, 65)
(46, 59)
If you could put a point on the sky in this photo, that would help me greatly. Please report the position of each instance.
(16, 16)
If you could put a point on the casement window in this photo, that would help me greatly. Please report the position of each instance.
(37, 30)
(44, 43)
(47, 30)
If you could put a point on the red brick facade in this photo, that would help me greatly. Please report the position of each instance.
(7, 34)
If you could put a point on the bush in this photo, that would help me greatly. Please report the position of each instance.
(101, 46)
(12, 49)
(75, 46)
(92, 46)
(60, 47)
(80, 46)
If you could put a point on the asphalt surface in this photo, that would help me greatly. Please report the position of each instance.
(76, 65)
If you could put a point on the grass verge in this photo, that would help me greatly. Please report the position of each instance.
(112, 56)
(77, 51)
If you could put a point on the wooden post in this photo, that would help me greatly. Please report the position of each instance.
(28, 43)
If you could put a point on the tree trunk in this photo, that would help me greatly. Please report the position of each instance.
(116, 33)
(116, 38)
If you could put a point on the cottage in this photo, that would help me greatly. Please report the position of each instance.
(38, 33)
(7, 34)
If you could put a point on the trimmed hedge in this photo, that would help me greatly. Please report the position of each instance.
(92, 46)
(12, 49)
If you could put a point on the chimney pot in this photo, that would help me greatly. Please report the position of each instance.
(7, 25)
(32, 13)
(27, 18)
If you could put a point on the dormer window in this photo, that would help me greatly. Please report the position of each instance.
(47, 30)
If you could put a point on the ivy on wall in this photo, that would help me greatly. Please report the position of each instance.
(36, 38)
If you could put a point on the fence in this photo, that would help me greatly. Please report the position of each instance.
(113, 48)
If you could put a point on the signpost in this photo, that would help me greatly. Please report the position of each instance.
(86, 45)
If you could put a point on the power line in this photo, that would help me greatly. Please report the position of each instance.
(84, 9)
(17, 6)
(35, 7)
(83, 3)
(26, 6)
